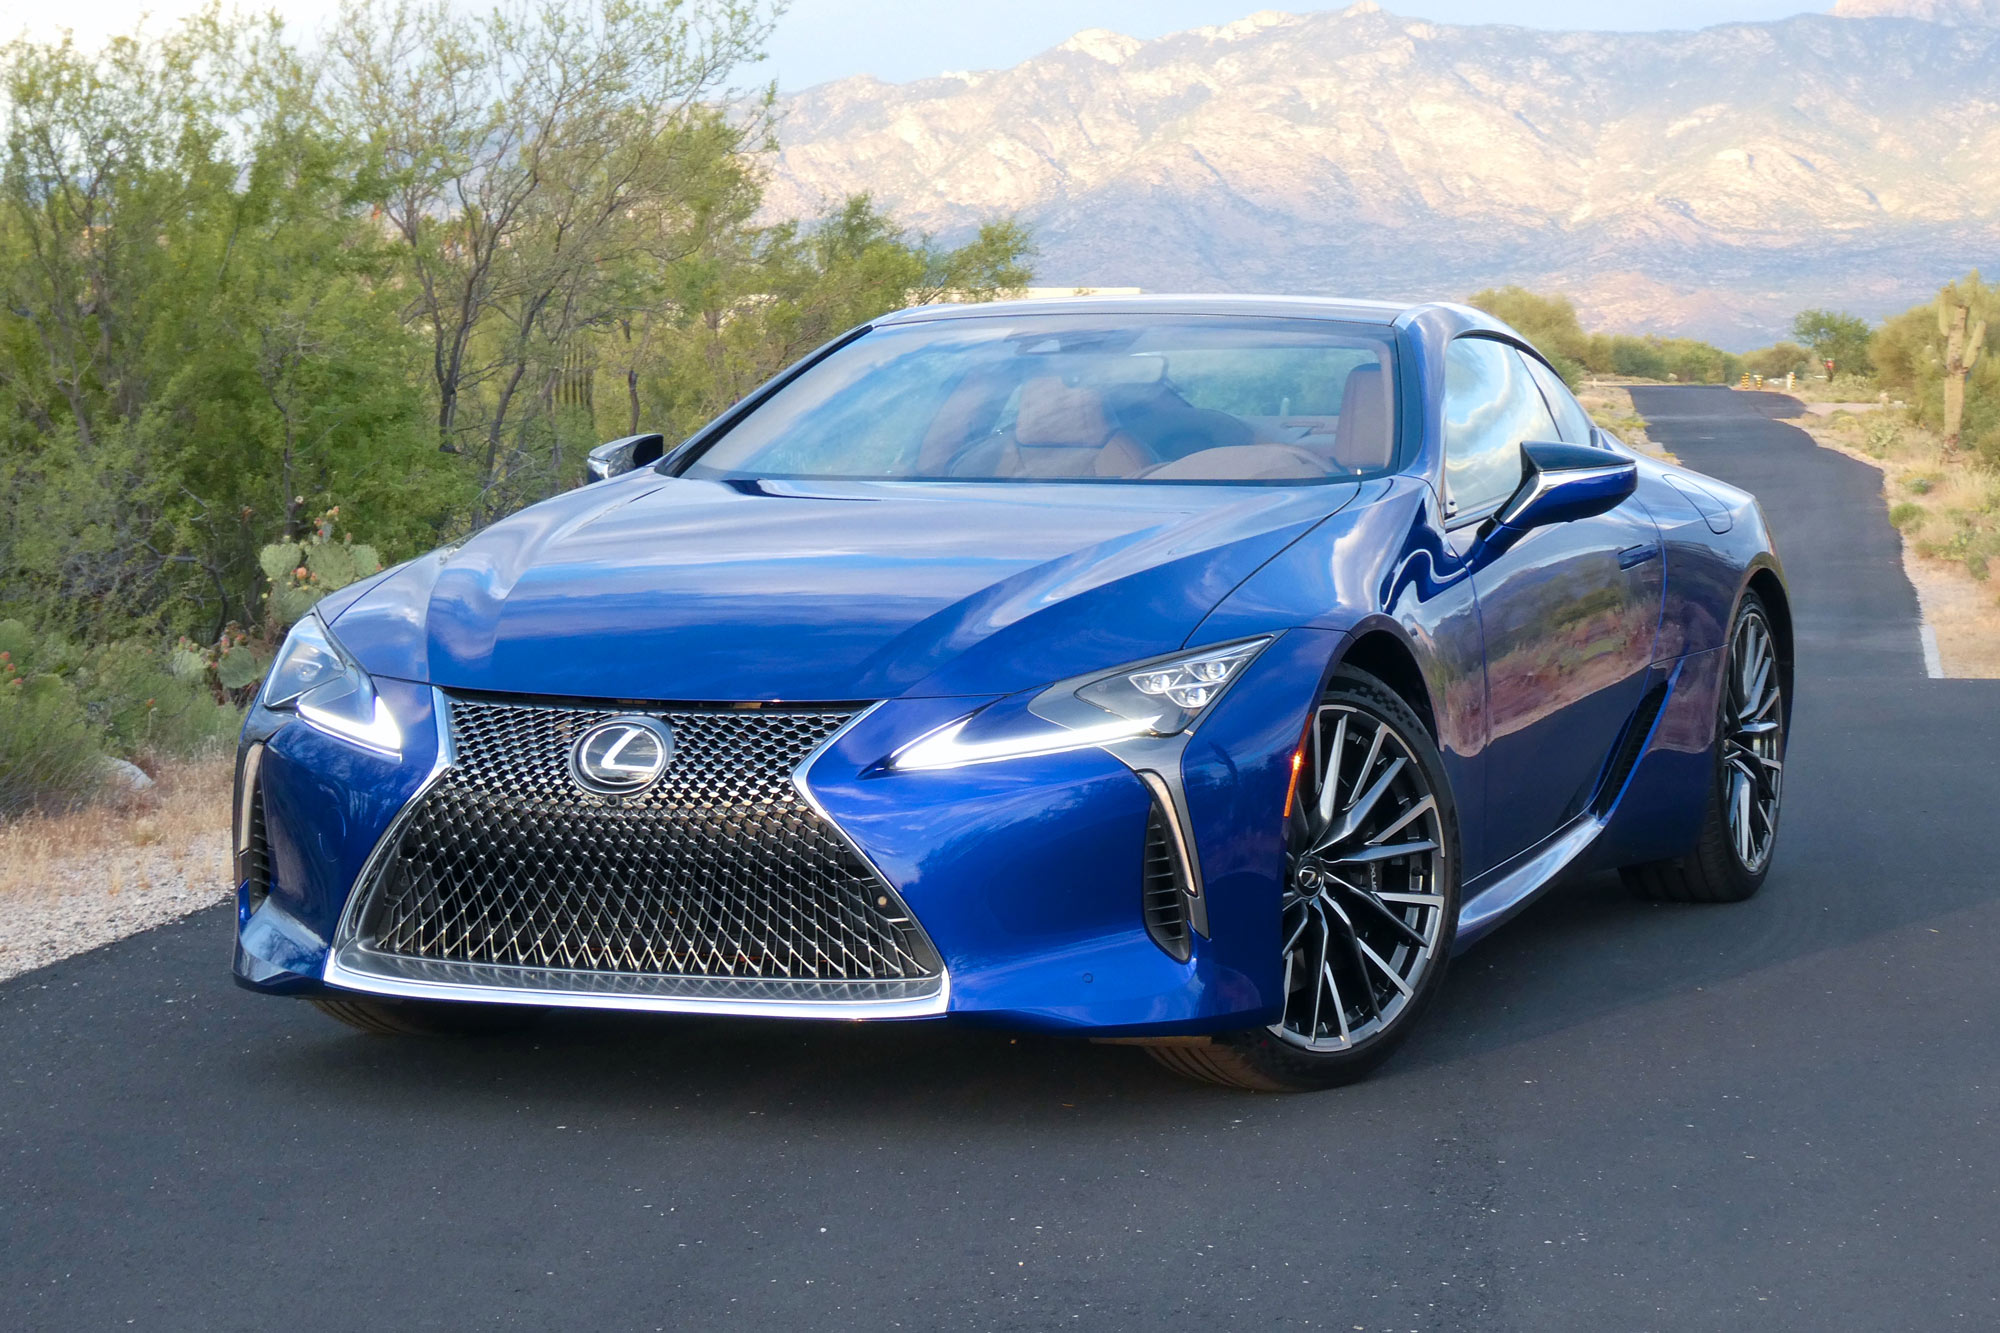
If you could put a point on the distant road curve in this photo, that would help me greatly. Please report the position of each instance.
(1856, 613)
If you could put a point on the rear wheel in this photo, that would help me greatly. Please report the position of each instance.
(1370, 905)
(427, 1018)
(1740, 824)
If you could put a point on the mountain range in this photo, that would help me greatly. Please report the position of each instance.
(1707, 183)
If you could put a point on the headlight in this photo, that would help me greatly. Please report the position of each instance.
(1162, 698)
(315, 678)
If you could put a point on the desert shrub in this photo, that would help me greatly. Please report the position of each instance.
(1549, 322)
(49, 757)
(132, 692)
(1780, 360)
(123, 698)
(1906, 515)
(1880, 435)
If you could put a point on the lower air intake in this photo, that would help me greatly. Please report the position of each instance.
(721, 877)
(1165, 895)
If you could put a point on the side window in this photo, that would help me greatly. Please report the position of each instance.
(1571, 419)
(1491, 408)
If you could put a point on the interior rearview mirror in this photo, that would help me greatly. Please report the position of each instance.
(626, 455)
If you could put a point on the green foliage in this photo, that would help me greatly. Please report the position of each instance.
(1552, 325)
(417, 270)
(1782, 359)
(1906, 514)
(48, 748)
(1881, 434)
(1836, 336)
(142, 704)
(133, 698)
(1679, 360)
(302, 572)
(1909, 354)
(1549, 322)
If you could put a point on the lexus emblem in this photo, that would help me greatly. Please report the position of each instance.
(621, 757)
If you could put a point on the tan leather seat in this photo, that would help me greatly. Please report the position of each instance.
(1363, 441)
(1065, 431)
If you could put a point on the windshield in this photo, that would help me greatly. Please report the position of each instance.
(1079, 398)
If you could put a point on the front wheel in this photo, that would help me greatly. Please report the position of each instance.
(1746, 779)
(1370, 904)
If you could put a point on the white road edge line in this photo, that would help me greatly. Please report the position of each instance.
(1933, 663)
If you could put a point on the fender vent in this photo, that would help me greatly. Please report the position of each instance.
(1626, 757)
(1165, 889)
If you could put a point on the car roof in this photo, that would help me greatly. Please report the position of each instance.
(1457, 318)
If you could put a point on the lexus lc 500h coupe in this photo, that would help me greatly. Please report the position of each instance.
(1199, 673)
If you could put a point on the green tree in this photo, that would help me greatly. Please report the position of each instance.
(1779, 360)
(1835, 336)
(1549, 322)
(532, 161)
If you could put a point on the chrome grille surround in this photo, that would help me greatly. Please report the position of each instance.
(724, 888)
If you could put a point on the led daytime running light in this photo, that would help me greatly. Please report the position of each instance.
(944, 747)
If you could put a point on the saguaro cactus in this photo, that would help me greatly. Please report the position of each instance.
(1961, 353)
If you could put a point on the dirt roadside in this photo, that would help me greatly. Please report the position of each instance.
(1927, 490)
(71, 882)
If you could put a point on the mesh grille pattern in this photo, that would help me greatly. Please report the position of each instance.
(1165, 892)
(719, 871)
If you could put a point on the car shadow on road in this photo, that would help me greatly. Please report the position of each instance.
(1878, 771)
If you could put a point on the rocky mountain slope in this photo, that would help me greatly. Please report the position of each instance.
(1704, 182)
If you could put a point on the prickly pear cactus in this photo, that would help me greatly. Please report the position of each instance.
(302, 572)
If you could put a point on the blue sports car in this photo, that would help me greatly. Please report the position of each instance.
(1195, 673)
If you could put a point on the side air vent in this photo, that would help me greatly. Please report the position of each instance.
(253, 851)
(1165, 894)
(1626, 758)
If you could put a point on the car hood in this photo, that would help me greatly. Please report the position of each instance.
(673, 589)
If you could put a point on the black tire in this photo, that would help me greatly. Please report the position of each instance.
(1714, 869)
(427, 1018)
(1278, 1059)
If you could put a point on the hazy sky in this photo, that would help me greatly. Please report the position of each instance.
(900, 40)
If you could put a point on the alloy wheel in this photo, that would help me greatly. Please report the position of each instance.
(1753, 741)
(1364, 905)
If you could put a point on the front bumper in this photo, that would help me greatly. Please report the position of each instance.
(1026, 875)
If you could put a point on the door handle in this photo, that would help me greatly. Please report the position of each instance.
(1634, 556)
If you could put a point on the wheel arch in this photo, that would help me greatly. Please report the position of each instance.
(1388, 657)
(1770, 590)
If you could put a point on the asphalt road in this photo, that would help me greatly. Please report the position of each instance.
(1621, 1116)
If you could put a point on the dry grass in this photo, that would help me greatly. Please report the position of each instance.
(1610, 406)
(74, 881)
(1948, 509)
(174, 823)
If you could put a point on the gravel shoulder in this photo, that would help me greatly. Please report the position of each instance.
(73, 882)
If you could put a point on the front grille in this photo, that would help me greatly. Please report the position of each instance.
(720, 874)
(1164, 894)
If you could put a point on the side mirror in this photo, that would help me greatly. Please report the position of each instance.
(1563, 482)
(621, 456)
